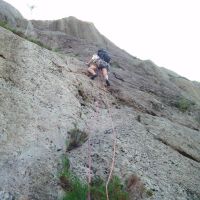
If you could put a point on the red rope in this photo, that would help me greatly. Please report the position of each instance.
(114, 150)
(89, 155)
(114, 144)
(89, 165)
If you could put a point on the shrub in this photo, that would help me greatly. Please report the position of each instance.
(65, 175)
(116, 189)
(77, 190)
(183, 104)
(74, 188)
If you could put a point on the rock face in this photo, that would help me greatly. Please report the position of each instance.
(9, 13)
(72, 27)
(155, 112)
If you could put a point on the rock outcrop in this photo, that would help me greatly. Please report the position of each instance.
(43, 94)
(73, 27)
(9, 13)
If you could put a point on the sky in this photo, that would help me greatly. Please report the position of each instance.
(164, 31)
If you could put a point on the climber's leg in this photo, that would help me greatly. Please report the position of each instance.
(92, 70)
(105, 75)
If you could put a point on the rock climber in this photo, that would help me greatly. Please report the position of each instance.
(99, 62)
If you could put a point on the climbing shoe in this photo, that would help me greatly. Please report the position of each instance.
(93, 77)
(107, 83)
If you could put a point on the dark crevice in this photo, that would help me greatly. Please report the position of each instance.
(182, 152)
(185, 125)
(194, 128)
(150, 112)
(132, 85)
(117, 77)
(2, 56)
(186, 155)
(82, 94)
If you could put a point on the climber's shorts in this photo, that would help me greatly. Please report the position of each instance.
(101, 64)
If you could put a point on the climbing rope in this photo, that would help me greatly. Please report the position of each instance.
(89, 166)
(114, 139)
(90, 152)
(114, 147)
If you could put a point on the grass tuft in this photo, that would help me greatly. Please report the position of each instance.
(77, 138)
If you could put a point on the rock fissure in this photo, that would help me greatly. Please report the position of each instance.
(117, 77)
(2, 56)
(179, 150)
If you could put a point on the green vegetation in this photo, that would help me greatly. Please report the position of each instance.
(3, 24)
(116, 64)
(183, 104)
(77, 190)
(74, 189)
(37, 42)
(76, 55)
(148, 192)
(77, 138)
(55, 49)
(116, 190)
(6, 26)
(20, 34)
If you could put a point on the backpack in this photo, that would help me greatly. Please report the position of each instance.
(103, 54)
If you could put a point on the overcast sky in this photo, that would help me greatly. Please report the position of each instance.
(164, 31)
